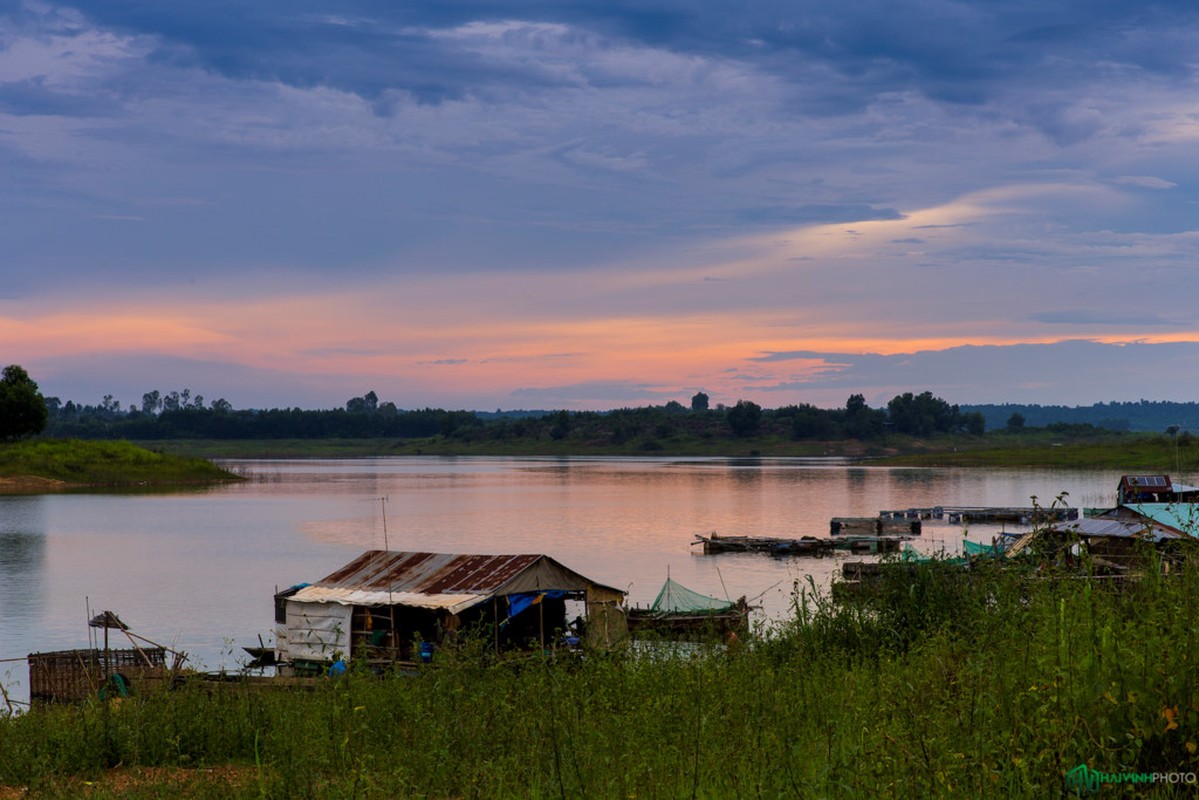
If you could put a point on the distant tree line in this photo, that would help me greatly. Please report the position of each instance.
(184, 415)
(1139, 415)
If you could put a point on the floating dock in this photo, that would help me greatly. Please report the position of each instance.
(874, 526)
(963, 514)
(869, 544)
(804, 546)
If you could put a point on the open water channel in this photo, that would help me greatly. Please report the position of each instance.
(196, 570)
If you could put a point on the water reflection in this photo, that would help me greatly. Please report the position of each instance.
(22, 557)
(197, 570)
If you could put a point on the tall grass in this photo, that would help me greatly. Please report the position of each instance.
(944, 683)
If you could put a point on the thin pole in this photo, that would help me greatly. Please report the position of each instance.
(142, 652)
(383, 505)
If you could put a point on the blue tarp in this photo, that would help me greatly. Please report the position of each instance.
(519, 602)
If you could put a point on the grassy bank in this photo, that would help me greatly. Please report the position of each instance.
(951, 684)
(443, 446)
(1132, 452)
(42, 464)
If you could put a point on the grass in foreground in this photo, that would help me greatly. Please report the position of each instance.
(103, 463)
(949, 684)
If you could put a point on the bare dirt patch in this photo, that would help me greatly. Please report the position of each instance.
(176, 781)
(18, 484)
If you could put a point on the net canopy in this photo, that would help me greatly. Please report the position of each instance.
(675, 597)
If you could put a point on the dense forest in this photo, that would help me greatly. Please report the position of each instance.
(180, 415)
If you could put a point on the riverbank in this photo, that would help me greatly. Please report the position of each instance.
(945, 683)
(1120, 451)
(48, 465)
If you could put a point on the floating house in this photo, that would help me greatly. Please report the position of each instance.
(1151, 509)
(1134, 489)
(385, 606)
(1156, 502)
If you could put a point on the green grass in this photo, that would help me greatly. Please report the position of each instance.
(103, 463)
(988, 684)
(1122, 451)
(1129, 452)
(442, 446)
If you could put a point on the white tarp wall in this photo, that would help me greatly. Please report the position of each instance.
(317, 631)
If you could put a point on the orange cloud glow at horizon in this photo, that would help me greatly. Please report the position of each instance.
(323, 335)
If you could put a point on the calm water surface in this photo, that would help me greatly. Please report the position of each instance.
(196, 571)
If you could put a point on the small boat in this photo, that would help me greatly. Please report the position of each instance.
(261, 657)
(803, 546)
(681, 612)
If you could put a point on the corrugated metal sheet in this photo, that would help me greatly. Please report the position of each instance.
(440, 580)
(427, 573)
(1121, 528)
(1182, 517)
(454, 603)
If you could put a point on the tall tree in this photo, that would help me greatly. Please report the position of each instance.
(745, 418)
(23, 410)
(699, 402)
(151, 402)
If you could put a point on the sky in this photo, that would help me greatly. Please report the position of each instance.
(592, 205)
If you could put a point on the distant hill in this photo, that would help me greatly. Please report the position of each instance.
(1142, 415)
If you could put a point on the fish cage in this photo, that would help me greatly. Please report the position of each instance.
(72, 676)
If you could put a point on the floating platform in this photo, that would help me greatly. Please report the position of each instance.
(933, 512)
(803, 546)
(963, 514)
(870, 544)
(1019, 515)
(874, 526)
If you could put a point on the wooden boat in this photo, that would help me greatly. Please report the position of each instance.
(679, 612)
(803, 546)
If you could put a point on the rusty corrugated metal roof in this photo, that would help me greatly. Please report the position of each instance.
(427, 573)
(440, 580)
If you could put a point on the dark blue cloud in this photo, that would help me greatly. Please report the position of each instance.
(32, 97)
(1097, 317)
(959, 53)
(1076, 371)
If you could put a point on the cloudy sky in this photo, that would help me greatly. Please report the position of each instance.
(596, 204)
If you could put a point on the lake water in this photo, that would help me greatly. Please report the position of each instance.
(196, 571)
